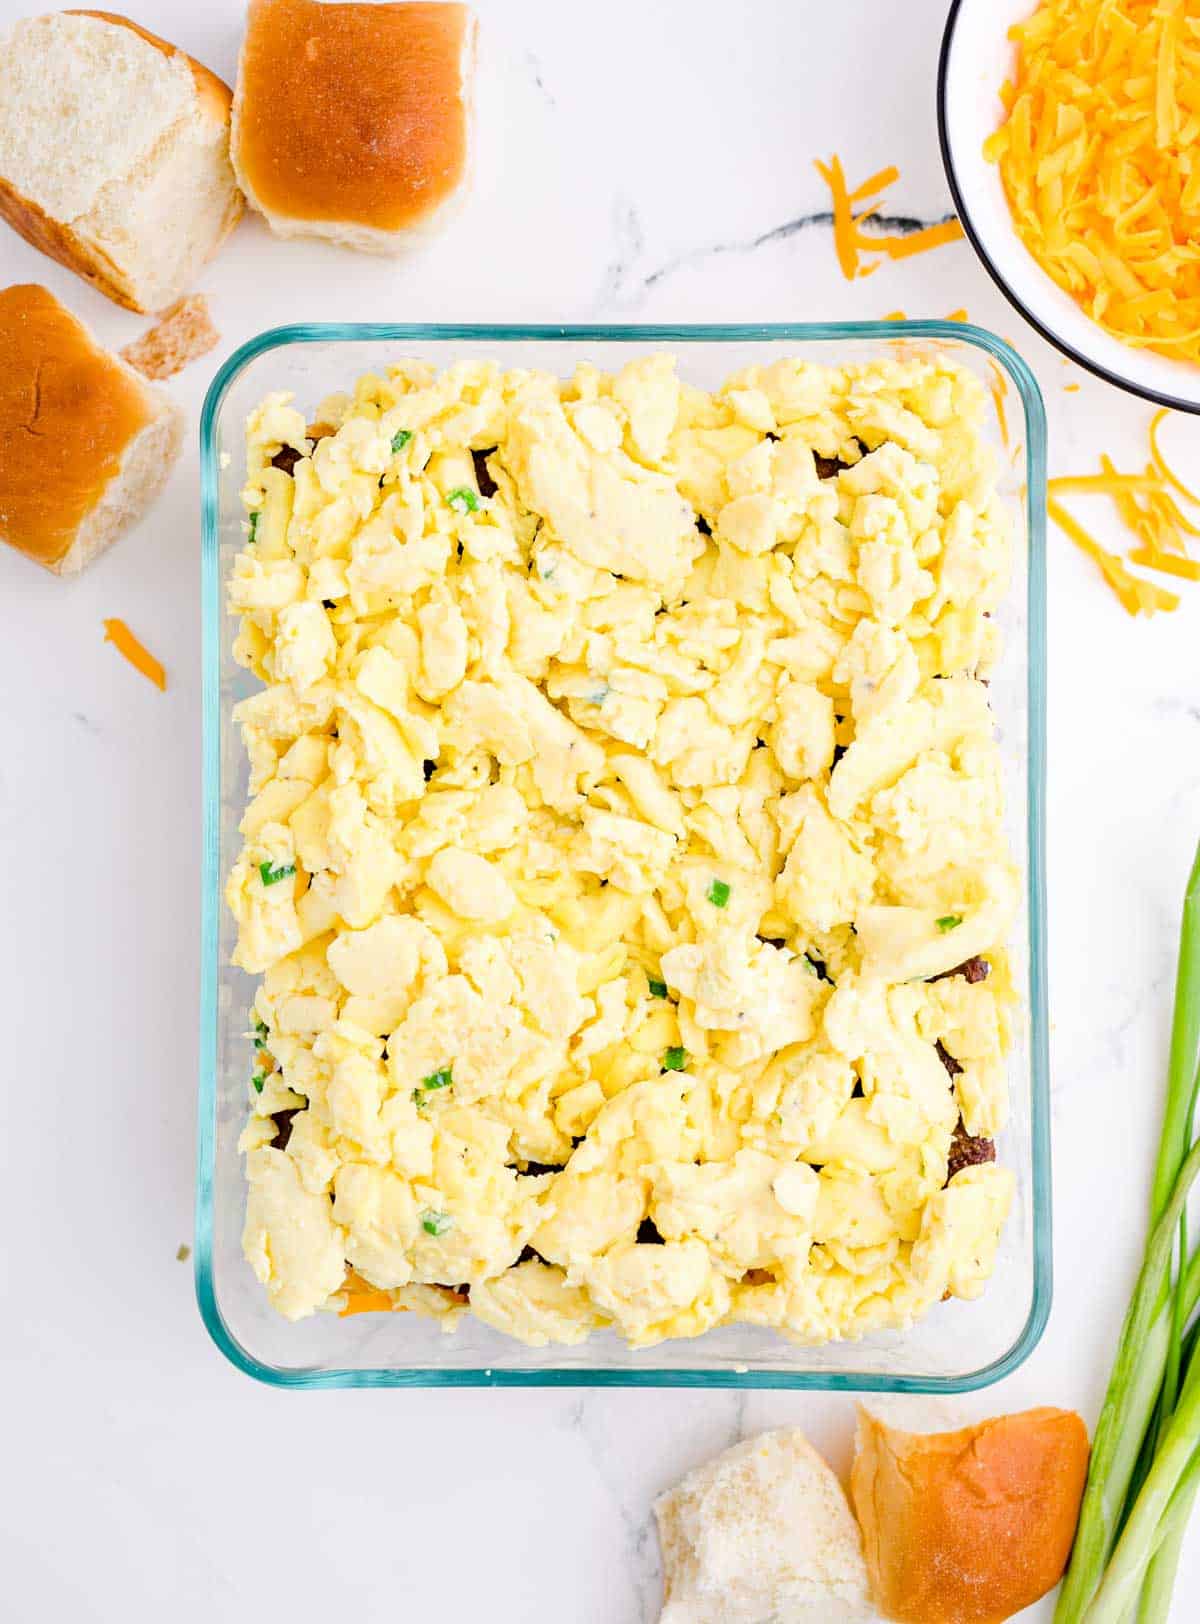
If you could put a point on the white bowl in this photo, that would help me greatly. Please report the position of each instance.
(977, 56)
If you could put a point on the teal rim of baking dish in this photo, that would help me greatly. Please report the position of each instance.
(213, 620)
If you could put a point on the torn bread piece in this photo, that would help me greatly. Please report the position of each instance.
(114, 153)
(85, 443)
(762, 1532)
(181, 334)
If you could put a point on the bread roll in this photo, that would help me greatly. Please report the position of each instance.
(114, 153)
(762, 1532)
(968, 1527)
(85, 444)
(350, 122)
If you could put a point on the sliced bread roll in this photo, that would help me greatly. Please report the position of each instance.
(351, 122)
(85, 443)
(114, 154)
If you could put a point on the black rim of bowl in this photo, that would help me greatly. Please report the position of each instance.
(968, 225)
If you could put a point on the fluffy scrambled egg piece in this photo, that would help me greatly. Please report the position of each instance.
(624, 865)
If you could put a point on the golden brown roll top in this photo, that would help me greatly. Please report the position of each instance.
(83, 443)
(354, 116)
(968, 1527)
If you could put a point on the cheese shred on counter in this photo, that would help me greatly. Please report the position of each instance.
(624, 867)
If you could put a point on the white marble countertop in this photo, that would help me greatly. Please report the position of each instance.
(636, 161)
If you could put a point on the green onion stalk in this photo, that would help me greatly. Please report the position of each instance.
(1145, 1467)
(1160, 1576)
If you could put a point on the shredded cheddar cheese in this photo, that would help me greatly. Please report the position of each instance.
(1160, 461)
(1188, 569)
(902, 315)
(1099, 154)
(118, 634)
(1136, 596)
(363, 1298)
(1149, 511)
(852, 242)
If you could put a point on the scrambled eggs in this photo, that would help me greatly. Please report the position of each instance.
(624, 801)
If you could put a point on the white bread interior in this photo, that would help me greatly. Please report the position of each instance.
(115, 154)
(363, 239)
(764, 1531)
(145, 466)
(349, 233)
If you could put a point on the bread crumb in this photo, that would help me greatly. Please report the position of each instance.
(181, 334)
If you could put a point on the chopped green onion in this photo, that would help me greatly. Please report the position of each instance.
(436, 1223)
(674, 1059)
(810, 967)
(463, 500)
(272, 876)
(718, 893)
(949, 922)
(429, 1085)
(258, 1080)
(400, 439)
(658, 989)
(254, 527)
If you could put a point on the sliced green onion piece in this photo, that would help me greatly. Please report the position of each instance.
(658, 989)
(441, 1078)
(949, 922)
(436, 1223)
(463, 500)
(718, 893)
(254, 527)
(272, 876)
(258, 1080)
(674, 1059)
(400, 439)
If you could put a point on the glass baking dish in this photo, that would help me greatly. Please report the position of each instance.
(960, 1345)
